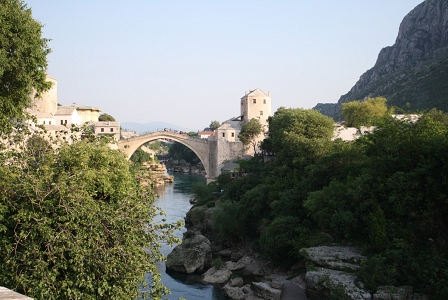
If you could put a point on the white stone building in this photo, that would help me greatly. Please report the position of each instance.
(256, 104)
(47, 112)
(67, 116)
(225, 145)
(107, 128)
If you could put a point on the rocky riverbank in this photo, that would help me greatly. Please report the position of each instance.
(181, 166)
(154, 174)
(326, 272)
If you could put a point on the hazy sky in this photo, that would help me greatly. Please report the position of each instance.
(190, 62)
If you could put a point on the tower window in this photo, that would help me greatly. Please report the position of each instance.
(102, 129)
(111, 130)
(254, 100)
(233, 134)
(223, 134)
(264, 101)
(261, 113)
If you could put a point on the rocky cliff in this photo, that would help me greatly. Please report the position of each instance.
(413, 73)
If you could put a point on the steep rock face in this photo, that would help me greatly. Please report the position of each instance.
(415, 69)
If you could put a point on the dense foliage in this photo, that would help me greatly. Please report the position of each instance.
(74, 223)
(140, 156)
(214, 125)
(249, 133)
(180, 151)
(386, 192)
(23, 61)
(365, 113)
(106, 117)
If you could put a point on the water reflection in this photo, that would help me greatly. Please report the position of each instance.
(174, 200)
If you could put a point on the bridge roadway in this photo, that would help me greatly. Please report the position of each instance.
(199, 146)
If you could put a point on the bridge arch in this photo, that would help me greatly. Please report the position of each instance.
(198, 146)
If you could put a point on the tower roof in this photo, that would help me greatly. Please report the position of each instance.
(257, 93)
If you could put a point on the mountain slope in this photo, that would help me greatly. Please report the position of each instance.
(413, 73)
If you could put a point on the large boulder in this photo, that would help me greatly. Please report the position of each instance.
(265, 291)
(208, 219)
(195, 217)
(193, 255)
(345, 258)
(323, 283)
(236, 293)
(214, 275)
(397, 293)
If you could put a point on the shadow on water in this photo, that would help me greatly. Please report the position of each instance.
(174, 200)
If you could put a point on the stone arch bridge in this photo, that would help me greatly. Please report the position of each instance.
(199, 146)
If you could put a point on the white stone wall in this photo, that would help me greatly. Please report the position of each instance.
(87, 115)
(256, 104)
(68, 120)
(108, 128)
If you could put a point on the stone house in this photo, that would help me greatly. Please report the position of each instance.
(224, 145)
(55, 117)
(107, 128)
(67, 116)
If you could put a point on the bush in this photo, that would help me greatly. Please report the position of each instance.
(278, 239)
(227, 221)
(218, 263)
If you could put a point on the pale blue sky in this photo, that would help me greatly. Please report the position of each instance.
(190, 62)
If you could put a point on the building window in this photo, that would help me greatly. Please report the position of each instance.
(65, 122)
(62, 122)
(49, 122)
(102, 129)
(223, 134)
(254, 100)
(111, 130)
(264, 101)
(233, 134)
(261, 113)
(44, 122)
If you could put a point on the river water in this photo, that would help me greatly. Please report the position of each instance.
(174, 200)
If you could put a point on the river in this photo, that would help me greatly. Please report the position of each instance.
(174, 200)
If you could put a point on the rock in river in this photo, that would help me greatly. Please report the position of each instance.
(193, 255)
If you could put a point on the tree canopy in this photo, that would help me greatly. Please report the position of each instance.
(385, 192)
(106, 117)
(75, 223)
(23, 61)
(365, 113)
(214, 125)
(299, 133)
(249, 133)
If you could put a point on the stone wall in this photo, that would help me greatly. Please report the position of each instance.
(49, 101)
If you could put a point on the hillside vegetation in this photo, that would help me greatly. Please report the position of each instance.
(386, 192)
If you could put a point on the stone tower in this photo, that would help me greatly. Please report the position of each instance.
(256, 104)
(48, 103)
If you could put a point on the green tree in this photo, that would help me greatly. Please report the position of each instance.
(249, 133)
(214, 125)
(299, 134)
(106, 117)
(23, 61)
(180, 151)
(75, 224)
(140, 156)
(365, 113)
